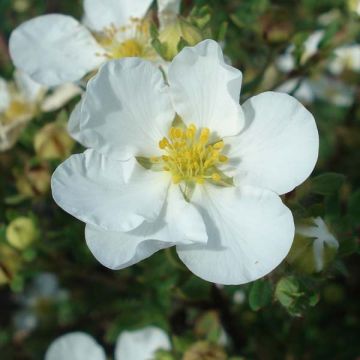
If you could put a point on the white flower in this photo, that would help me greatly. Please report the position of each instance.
(131, 345)
(22, 99)
(286, 62)
(206, 181)
(333, 91)
(56, 48)
(303, 89)
(18, 105)
(324, 245)
(347, 57)
(43, 289)
(323, 88)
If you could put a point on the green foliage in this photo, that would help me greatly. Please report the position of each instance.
(260, 294)
(327, 184)
(295, 312)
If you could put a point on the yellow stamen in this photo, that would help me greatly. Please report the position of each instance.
(188, 155)
(216, 177)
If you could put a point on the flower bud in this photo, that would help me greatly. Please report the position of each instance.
(21, 232)
(203, 350)
(173, 32)
(354, 6)
(10, 263)
(21, 6)
(34, 181)
(53, 142)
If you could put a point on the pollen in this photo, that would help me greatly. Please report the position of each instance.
(190, 156)
(132, 40)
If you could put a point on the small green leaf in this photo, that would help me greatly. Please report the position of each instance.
(260, 294)
(327, 184)
(181, 44)
(287, 290)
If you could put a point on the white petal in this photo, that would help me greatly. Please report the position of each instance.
(250, 232)
(30, 89)
(74, 123)
(347, 57)
(141, 344)
(118, 250)
(104, 13)
(168, 10)
(170, 6)
(75, 346)
(126, 110)
(323, 237)
(114, 195)
(54, 49)
(304, 92)
(179, 222)
(311, 45)
(286, 61)
(205, 91)
(333, 90)
(4, 95)
(60, 96)
(278, 148)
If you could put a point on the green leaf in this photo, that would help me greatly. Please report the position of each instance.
(181, 44)
(327, 183)
(260, 294)
(354, 208)
(287, 290)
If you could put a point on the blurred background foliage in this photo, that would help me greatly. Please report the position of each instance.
(50, 284)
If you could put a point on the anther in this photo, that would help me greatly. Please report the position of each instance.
(215, 176)
(223, 158)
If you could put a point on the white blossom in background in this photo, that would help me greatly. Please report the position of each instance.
(286, 62)
(346, 57)
(333, 91)
(304, 92)
(207, 181)
(44, 289)
(54, 49)
(354, 6)
(131, 345)
(168, 10)
(323, 88)
(22, 99)
(324, 244)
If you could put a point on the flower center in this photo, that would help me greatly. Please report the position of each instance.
(189, 156)
(16, 110)
(132, 40)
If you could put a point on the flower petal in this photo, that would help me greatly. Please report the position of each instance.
(179, 222)
(114, 195)
(60, 96)
(104, 13)
(74, 123)
(4, 95)
(250, 232)
(278, 148)
(54, 49)
(205, 91)
(168, 10)
(118, 250)
(126, 110)
(303, 90)
(141, 344)
(30, 89)
(323, 238)
(75, 346)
